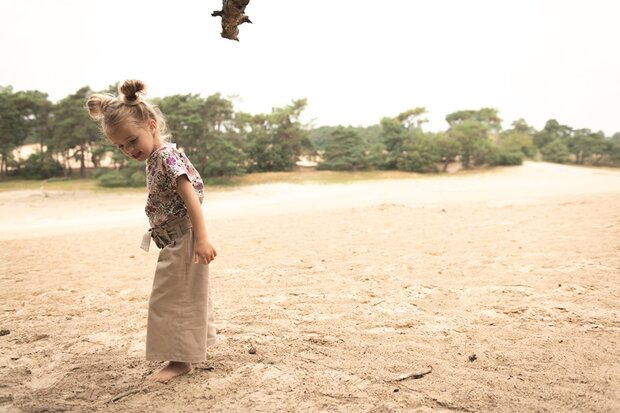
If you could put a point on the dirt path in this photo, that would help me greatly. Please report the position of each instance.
(340, 294)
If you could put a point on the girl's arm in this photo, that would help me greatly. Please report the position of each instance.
(203, 250)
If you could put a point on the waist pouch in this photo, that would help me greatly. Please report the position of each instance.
(169, 231)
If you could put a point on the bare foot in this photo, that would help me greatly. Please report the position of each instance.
(171, 370)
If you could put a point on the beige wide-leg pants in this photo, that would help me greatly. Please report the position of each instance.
(180, 321)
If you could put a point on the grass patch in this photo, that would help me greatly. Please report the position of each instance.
(223, 184)
(58, 184)
(319, 177)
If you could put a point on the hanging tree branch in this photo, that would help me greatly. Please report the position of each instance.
(232, 14)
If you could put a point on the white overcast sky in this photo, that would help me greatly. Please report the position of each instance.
(355, 60)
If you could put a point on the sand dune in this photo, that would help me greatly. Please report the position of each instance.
(341, 289)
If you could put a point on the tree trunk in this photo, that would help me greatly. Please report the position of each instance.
(598, 159)
(94, 160)
(465, 160)
(66, 168)
(82, 161)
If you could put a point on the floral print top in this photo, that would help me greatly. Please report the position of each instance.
(163, 167)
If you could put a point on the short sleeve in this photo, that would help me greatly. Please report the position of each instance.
(174, 166)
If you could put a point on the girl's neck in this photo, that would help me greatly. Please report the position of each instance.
(157, 143)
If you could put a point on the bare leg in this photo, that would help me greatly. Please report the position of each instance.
(171, 370)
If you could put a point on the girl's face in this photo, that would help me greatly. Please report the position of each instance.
(136, 141)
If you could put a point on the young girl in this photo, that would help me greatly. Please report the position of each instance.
(180, 318)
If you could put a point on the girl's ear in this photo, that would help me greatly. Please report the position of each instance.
(152, 125)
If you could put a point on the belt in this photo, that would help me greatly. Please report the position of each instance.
(166, 233)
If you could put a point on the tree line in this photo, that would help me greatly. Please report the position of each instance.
(223, 142)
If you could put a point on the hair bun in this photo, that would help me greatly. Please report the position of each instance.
(131, 91)
(97, 103)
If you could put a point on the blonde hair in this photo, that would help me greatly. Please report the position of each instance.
(128, 106)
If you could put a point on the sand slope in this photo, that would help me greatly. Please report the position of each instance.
(340, 289)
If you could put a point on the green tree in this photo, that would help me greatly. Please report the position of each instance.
(555, 151)
(396, 131)
(40, 165)
(473, 129)
(275, 141)
(520, 137)
(614, 149)
(600, 147)
(448, 149)
(483, 151)
(507, 156)
(132, 174)
(187, 123)
(36, 112)
(206, 131)
(345, 151)
(517, 141)
(370, 134)
(223, 151)
(320, 136)
(583, 144)
(521, 126)
(553, 130)
(488, 117)
(412, 118)
(224, 158)
(100, 148)
(73, 128)
(377, 156)
(24, 117)
(13, 127)
(420, 153)
(469, 133)
(393, 135)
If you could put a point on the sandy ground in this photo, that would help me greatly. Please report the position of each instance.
(341, 290)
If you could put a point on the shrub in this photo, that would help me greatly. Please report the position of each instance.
(113, 179)
(555, 151)
(484, 152)
(133, 175)
(420, 153)
(100, 171)
(40, 165)
(520, 141)
(345, 151)
(508, 156)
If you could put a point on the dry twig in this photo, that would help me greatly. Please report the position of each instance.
(416, 375)
(125, 394)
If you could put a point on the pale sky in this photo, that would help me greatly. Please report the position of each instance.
(355, 61)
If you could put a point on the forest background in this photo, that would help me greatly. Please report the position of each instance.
(223, 142)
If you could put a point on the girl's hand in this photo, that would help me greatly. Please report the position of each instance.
(203, 251)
